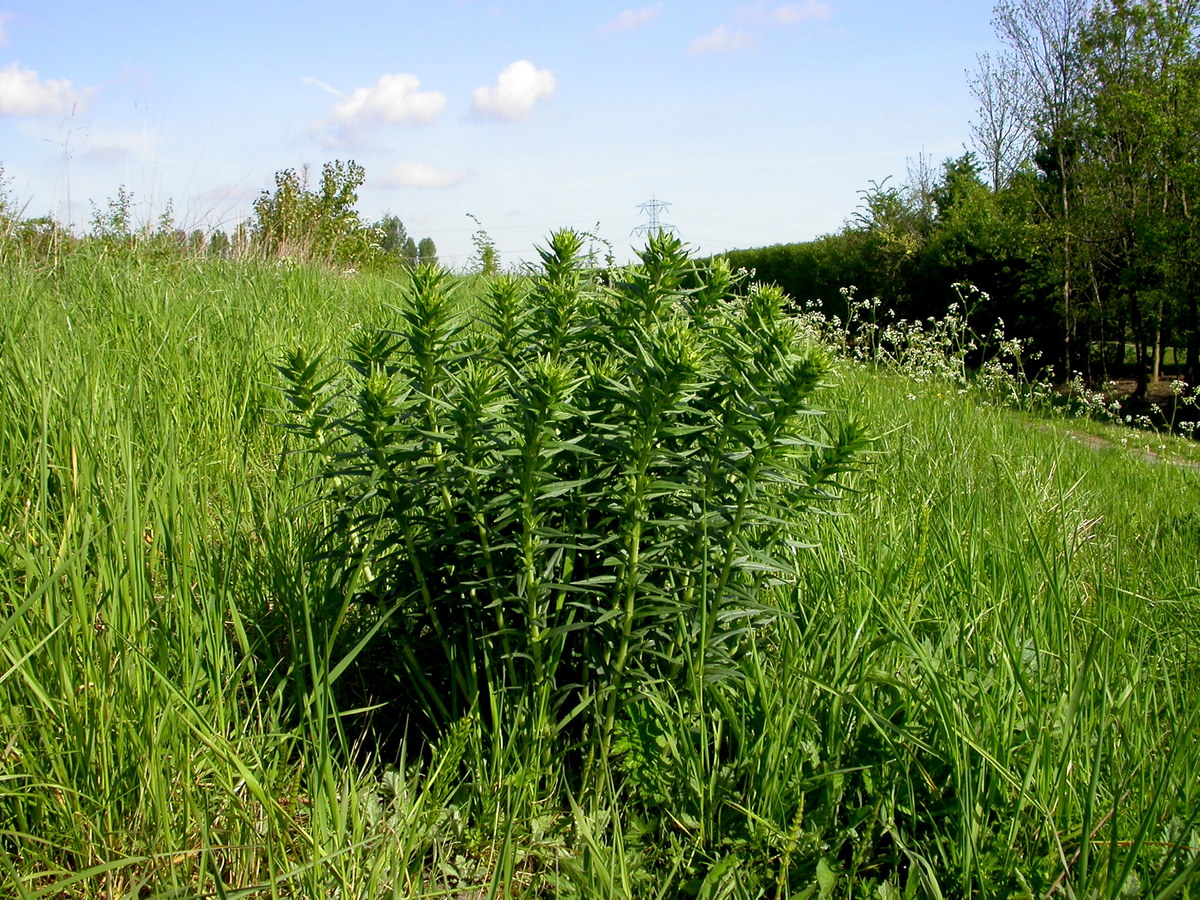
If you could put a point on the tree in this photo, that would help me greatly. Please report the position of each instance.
(322, 225)
(395, 243)
(427, 252)
(895, 229)
(1042, 40)
(1000, 134)
(42, 236)
(392, 235)
(115, 221)
(980, 236)
(920, 189)
(1140, 171)
(1104, 97)
(282, 217)
(411, 254)
(218, 244)
(486, 260)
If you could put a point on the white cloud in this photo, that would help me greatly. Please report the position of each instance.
(722, 40)
(633, 18)
(108, 153)
(517, 89)
(22, 93)
(795, 13)
(118, 144)
(418, 174)
(394, 99)
(228, 194)
(316, 82)
(764, 13)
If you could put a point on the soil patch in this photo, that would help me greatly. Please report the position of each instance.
(1098, 443)
(1163, 405)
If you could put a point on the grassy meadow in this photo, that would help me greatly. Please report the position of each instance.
(969, 665)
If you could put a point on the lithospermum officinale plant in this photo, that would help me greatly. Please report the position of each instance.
(572, 490)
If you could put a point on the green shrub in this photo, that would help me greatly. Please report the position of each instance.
(298, 222)
(572, 489)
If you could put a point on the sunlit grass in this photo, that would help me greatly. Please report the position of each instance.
(986, 682)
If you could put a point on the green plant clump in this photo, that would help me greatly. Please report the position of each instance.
(577, 492)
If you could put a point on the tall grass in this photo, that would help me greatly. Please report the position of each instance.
(980, 681)
(147, 541)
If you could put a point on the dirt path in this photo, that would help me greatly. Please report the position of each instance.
(1095, 442)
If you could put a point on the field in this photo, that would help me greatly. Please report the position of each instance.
(969, 666)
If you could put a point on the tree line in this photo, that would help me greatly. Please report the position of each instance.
(1075, 210)
(297, 220)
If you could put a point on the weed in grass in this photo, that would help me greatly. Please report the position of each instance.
(579, 492)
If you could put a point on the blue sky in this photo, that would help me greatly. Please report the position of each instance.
(758, 121)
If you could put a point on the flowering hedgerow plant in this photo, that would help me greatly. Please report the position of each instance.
(990, 365)
(945, 350)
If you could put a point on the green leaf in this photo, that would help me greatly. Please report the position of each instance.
(826, 878)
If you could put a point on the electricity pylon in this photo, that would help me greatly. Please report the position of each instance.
(652, 208)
